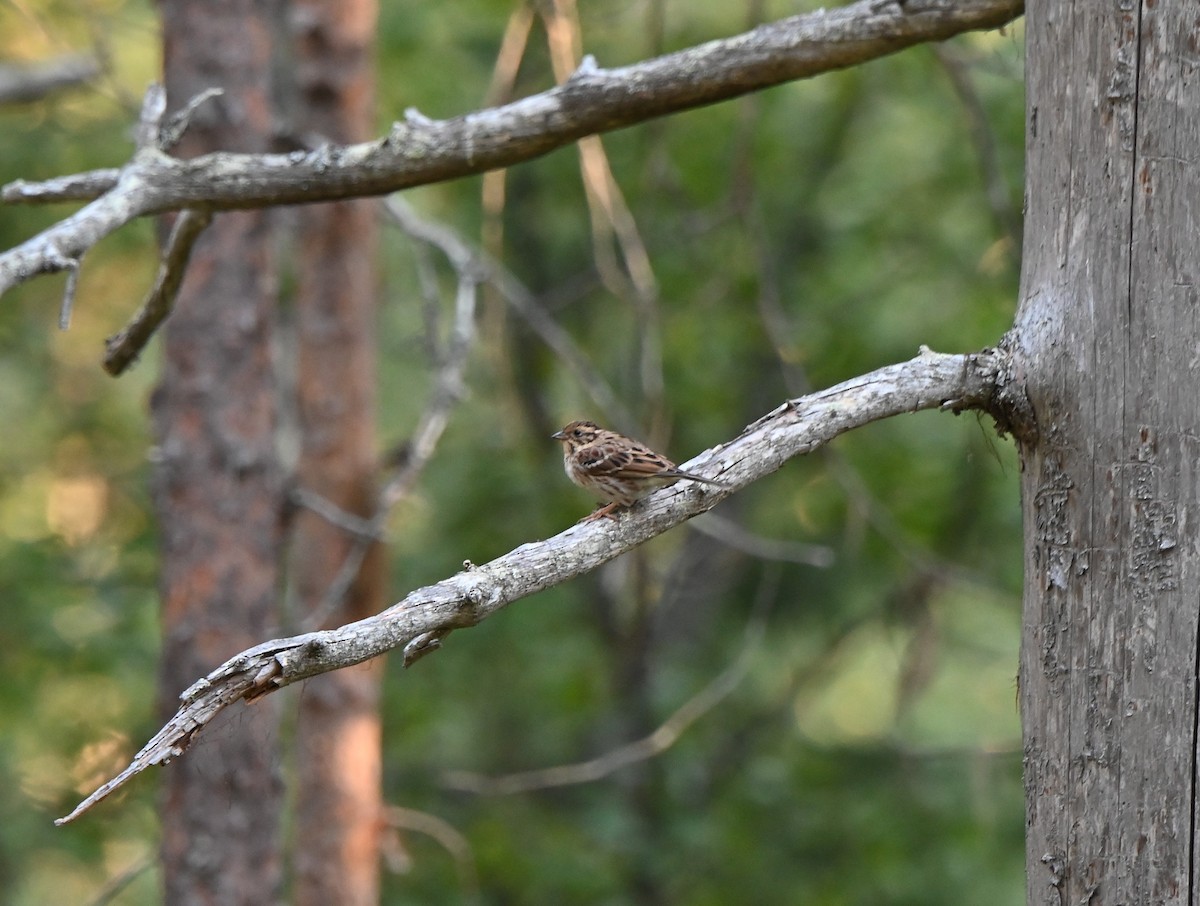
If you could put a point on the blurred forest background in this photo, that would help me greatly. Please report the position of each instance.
(854, 618)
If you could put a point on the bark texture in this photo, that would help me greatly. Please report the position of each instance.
(422, 620)
(217, 481)
(338, 737)
(1107, 335)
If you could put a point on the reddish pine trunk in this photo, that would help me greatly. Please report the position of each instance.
(338, 732)
(217, 479)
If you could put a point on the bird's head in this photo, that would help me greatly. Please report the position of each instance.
(577, 434)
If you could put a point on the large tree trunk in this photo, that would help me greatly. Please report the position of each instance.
(338, 763)
(217, 479)
(1108, 336)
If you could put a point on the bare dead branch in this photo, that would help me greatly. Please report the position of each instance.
(446, 392)
(442, 832)
(448, 378)
(356, 526)
(732, 535)
(69, 292)
(22, 84)
(122, 348)
(76, 187)
(509, 56)
(170, 133)
(62, 245)
(120, 882)
(653, 744)
(522, 301)
(799, 426)
(999, 197)
(421, 150)
(154, 107)
(632, 276)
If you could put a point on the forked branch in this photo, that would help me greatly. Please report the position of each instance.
(420, 621)
(421, 150)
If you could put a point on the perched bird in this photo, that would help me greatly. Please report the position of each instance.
(616, 468)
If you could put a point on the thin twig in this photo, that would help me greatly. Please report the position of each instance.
(121, 349)
(999, 196)
(117, 884)
(520, 299)
(23, 84)
(445, 834)
(611, 217)
(447, 391)
(75, 187)
(494, 185)
(154, 108)
(729, 533)
(69, 292)
(865, 508)
(171, 132)
(348, 522)
(508, 58)
(650, 746)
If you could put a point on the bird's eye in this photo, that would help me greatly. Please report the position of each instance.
(578, 432)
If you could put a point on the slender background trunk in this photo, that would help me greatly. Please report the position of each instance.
(338, 732)
(1108, 334)
(218, 489)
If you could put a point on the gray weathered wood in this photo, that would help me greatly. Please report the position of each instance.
(420, 150)
(424, 617)
(1108, 342)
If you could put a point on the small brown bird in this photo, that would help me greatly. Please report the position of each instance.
(616, 468)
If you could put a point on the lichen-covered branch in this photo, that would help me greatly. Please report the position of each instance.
(929, 381)
(421, 150)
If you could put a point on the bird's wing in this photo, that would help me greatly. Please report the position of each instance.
(622, 461)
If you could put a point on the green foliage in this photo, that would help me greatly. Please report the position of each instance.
(871, 752)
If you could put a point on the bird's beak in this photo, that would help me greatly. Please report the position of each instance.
(558, 435)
